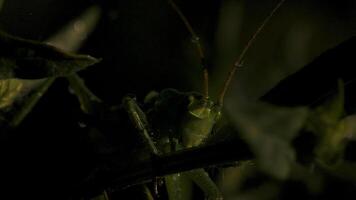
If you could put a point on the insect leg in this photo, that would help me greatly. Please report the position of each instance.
(138, 118)
(179, 187)
(202, 179)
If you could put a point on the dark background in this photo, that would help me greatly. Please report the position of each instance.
(144, 47)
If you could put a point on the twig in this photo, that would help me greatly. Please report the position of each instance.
(143, 172)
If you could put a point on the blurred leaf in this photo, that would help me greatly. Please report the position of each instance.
(331, 111)
(317, 79)
(27, 59)
(86, 98)
(268, 131)
(30, 102)
(342, 170)
(103, 196)
(69, 38)
(8, 91)
(267, 191)
(1, 4)
(307, 175)
(72, 36)
(12, 90)
(350, 126)
(325, 121)
(232, 179)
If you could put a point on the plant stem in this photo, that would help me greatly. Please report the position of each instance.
(199, 157)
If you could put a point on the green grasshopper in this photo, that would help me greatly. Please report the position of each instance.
(177, 120)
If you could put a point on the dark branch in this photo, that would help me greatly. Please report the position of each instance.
(223, 153)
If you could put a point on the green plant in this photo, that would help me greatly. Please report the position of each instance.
(267, 131)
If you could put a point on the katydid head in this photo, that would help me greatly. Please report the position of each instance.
(202, 107)
(199, 121)
(202, 112)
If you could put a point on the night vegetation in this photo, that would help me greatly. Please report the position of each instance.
(105, 126)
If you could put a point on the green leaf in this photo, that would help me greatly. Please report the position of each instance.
(68, 39)
(1, 4)
(71, 36)
(325, 121)
(27, 92)
(86, 98)
(14, 90)
(8, 91)
(266, 191)
(27, 59)
(31, 101)
(268, 131)
(342, 170)
(102, 196)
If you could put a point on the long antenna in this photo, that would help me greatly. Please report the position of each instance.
(196, 41)
(240, 59)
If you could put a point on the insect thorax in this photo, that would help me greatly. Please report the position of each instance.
(185, 119)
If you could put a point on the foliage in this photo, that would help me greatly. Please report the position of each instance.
(268, 131)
